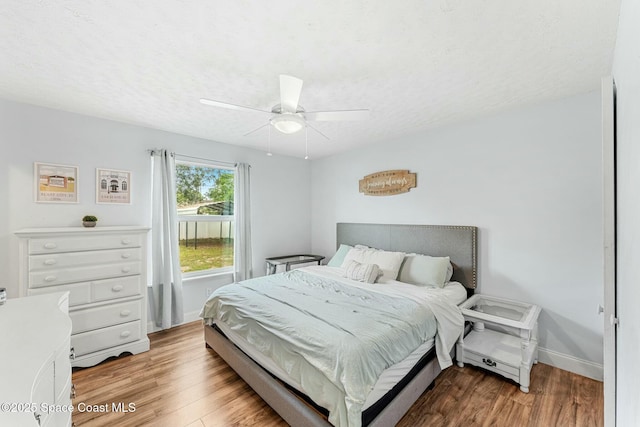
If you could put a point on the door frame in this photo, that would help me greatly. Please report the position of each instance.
(609, 237)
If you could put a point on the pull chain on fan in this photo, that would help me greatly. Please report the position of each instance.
(306, 143)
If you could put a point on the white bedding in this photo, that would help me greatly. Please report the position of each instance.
(304, 373)
(452, 291)
(450, 322)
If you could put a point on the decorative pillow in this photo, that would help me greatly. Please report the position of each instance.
(425, 270)
(449, 275)
(388, 262)
(367, 273)
(338, 258)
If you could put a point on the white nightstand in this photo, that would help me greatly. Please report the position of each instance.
(508, 345)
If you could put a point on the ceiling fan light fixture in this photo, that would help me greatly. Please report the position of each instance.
(288, 123)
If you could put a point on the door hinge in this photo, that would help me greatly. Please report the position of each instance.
(613, 320)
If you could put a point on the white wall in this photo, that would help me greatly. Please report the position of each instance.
(626, 71)
(280, 196)
(530, 179)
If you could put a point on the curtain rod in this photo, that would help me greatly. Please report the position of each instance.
(153, 151)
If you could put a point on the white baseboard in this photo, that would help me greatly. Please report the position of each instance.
(188, 318)
(572, 364)
(192, 317)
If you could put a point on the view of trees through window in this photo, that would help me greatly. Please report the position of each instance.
(205, 214)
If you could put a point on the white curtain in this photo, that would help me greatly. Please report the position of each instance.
(167, 305)
(242, 239)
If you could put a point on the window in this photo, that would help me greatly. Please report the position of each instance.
(206, 219)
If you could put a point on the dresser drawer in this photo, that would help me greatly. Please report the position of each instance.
(82, 274)
(43, 390)
(494, 351)
(65, 396)
(83, 243)
(101, 339)
(106, 315)
(60, 418)
(46, 262)
(491, 364)
(62, 369)
(96, 291)
(102, 290)
(79, 293)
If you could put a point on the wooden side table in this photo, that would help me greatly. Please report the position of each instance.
(508, 345)
(289, 260)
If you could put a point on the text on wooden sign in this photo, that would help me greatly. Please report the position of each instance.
(387, 183)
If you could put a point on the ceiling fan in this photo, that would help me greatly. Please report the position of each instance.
(288, 116)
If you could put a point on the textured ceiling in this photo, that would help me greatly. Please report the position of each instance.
(414, 64)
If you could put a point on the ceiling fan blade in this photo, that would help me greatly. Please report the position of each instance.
(331, 116)
(256, 129)
(230, 106)
(328, 139)
(290, 88)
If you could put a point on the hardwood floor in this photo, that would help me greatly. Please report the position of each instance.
(180, 383)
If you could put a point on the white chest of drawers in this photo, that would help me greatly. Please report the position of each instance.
(104, 271)
(35, 385)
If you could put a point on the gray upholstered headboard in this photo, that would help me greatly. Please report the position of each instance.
(457, 242)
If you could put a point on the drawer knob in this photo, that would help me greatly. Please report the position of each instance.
(72, 395)
(50, 245)
(72, 354)
(489, 362)
(50, 262)
(126, 255)
(117, 288)
(126, 241)
(126, 269)
(50, 279)
(125, 334)
(125, 313)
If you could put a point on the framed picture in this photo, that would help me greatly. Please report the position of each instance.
(55, 183)
(113, 186)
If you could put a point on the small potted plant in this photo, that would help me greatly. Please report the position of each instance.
(89, 221)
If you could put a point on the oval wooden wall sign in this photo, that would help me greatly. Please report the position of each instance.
(387, 183)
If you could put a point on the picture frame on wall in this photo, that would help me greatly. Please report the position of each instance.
(113, 186)
(55, 183)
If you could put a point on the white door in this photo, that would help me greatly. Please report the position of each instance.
(609, 228)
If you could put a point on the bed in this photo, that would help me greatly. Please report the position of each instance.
(391, 381)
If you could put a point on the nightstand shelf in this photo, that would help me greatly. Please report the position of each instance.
(288, 260)
(504, 338)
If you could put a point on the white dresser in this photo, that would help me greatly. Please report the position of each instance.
(104, 271)
(35, 383)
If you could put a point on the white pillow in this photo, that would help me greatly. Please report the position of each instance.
(367, 273)
(338, 257)
(425, 270)
(388, 262)
(449, 268)
(447, 279)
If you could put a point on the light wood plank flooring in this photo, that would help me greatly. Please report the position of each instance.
(180, 383)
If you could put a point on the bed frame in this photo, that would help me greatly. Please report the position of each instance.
(457, 242)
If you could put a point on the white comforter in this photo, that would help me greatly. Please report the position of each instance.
(332, 335)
